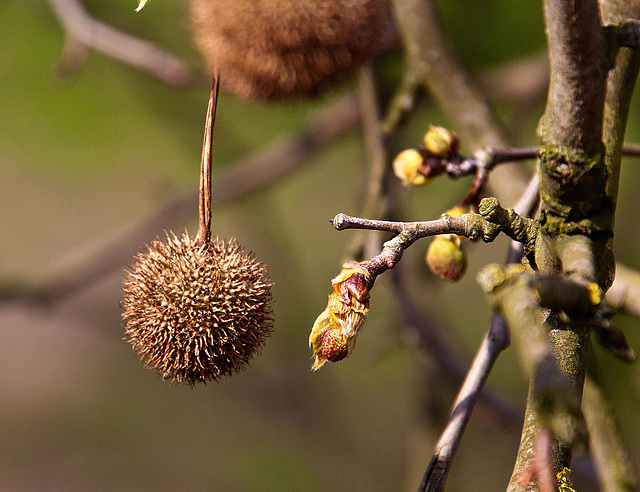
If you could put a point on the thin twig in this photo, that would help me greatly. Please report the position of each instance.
(139, 53)
(486, 159)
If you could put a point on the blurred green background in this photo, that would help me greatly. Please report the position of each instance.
(83, 159)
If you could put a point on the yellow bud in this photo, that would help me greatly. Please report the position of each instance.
(457, 211)
(446, 258)
(441, 142)
(406, 166)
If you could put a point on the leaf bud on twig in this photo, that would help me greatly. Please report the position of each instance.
(406, 167)
(441, 142)
(446, 258)
(334, 332)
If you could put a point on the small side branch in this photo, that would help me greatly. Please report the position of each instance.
(496, 340)
(487, 224)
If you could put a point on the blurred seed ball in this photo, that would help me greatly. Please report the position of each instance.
(406, 167)
(334, 346)
(196, 312)
(446, 258)
(277, 48)
(441, 142)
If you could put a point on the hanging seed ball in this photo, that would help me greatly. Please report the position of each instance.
(278, 48)
(333, 346)
(196, 312)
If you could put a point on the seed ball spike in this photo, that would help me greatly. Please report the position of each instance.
(196, 311)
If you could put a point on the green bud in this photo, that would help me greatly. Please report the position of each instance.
(446, 258)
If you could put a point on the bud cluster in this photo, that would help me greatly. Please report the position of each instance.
(417, 167)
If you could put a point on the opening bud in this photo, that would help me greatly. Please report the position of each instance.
(334, 332)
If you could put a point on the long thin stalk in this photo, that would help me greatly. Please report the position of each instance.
(204, 201)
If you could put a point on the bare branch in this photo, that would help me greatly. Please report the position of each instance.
(83, 29)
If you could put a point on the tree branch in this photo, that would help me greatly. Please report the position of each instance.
(577, 59)
(84, 30)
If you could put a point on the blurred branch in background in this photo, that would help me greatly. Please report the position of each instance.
(605, 442)
(624, 294)
(84, 33)
(264, 168)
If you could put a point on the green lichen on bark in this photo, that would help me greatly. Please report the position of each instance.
(572, 183)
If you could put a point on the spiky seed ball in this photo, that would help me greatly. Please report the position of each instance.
(196, 312)
(334, 347)
(277, 48)
(446, 258)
